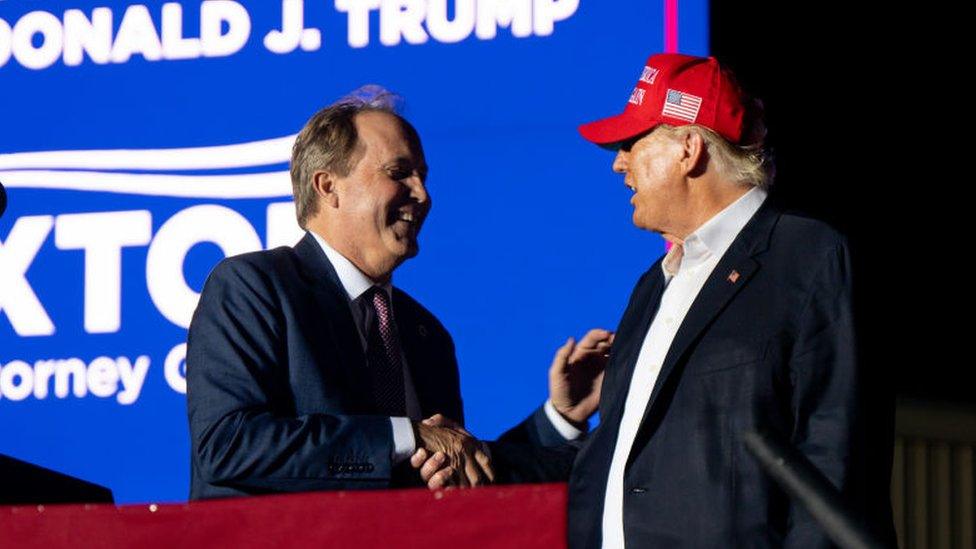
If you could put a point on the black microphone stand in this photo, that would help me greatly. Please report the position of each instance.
(803, 482)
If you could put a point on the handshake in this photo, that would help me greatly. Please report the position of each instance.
(449, 456)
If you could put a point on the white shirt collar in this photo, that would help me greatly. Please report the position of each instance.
(713, 238)
(353, 281)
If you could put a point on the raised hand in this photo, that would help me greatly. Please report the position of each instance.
(576, 375)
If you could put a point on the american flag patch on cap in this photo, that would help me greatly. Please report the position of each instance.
(683, 106)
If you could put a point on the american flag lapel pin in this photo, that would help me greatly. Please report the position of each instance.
(733, 276)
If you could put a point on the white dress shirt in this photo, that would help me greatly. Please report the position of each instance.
(355, 283)
(686, 268)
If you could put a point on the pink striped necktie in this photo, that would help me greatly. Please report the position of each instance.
(383, 356)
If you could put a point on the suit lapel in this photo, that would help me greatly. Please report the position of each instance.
(732, 273)
(633, 328)
(330, 297)
(713, 297)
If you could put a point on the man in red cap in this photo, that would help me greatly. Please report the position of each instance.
(745, 324)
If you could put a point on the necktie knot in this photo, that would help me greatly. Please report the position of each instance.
(381, 304)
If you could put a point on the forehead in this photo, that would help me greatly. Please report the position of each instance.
(385, 135)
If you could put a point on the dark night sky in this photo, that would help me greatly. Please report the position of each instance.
(860, 123)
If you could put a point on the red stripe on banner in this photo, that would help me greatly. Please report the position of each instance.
(671, 26)
(532, 516)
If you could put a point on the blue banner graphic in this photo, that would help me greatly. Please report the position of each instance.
(142, 143)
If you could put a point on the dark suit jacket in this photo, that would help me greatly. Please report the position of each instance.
(277, 392)
(773, 350)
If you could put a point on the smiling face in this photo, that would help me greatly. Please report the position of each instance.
(379, 207)
(652, 169)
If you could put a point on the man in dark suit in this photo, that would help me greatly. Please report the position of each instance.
(306, 369)
(745, 324)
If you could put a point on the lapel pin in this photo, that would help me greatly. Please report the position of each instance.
(733, 276)
(422, 330)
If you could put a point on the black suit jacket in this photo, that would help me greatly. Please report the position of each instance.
(277, 392)
(773, 349)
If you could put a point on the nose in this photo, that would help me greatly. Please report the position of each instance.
(620, 162)
(418, 190)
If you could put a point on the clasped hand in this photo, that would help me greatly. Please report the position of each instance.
(448, 455)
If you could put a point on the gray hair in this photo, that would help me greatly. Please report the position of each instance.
(329, 141)
(747, 163)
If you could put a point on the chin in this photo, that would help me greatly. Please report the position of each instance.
(405, 251)
(638, 222)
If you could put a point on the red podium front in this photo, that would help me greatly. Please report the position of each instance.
(509, 516)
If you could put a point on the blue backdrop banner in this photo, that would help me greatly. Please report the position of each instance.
(142, 143)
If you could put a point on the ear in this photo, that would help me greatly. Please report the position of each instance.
(326, 189)
(694, 157)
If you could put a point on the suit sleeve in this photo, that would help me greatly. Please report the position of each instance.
(826, 397)
(241, 436)
(533, 451)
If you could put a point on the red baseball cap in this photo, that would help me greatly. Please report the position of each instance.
(676, 89)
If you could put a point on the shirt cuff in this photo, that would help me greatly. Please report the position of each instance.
(564, 427)
(404, 443)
